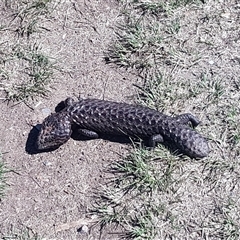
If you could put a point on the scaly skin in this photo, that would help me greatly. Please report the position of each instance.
(93, 116)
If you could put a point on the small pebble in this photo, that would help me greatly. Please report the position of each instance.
(226, 15)
(46, 112)
(47, 164)
(84, 229)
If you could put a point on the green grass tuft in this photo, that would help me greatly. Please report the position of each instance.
(128, 199)
(35, 75)
(28, 15)
(139, 173)
(138, 45)
(25, 71)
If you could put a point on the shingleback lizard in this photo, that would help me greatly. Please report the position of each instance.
(93, 116)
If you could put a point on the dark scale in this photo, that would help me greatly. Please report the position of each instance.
(93, 117)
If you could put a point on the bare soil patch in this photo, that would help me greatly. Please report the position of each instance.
(50, 189)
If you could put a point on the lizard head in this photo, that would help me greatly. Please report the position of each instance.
(55, 131)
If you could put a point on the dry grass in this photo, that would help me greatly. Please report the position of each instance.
(22, 234)
(25, 70)
(28, 16)
(176, 50)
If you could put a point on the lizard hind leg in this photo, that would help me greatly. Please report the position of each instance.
(187, 118)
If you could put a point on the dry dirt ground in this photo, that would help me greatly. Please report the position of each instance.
(50, 189)
(51, 193)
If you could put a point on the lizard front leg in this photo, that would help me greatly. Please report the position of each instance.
(88, 133)
(154, 139)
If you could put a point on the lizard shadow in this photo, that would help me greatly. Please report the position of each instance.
(112, 138)
(30, 146)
